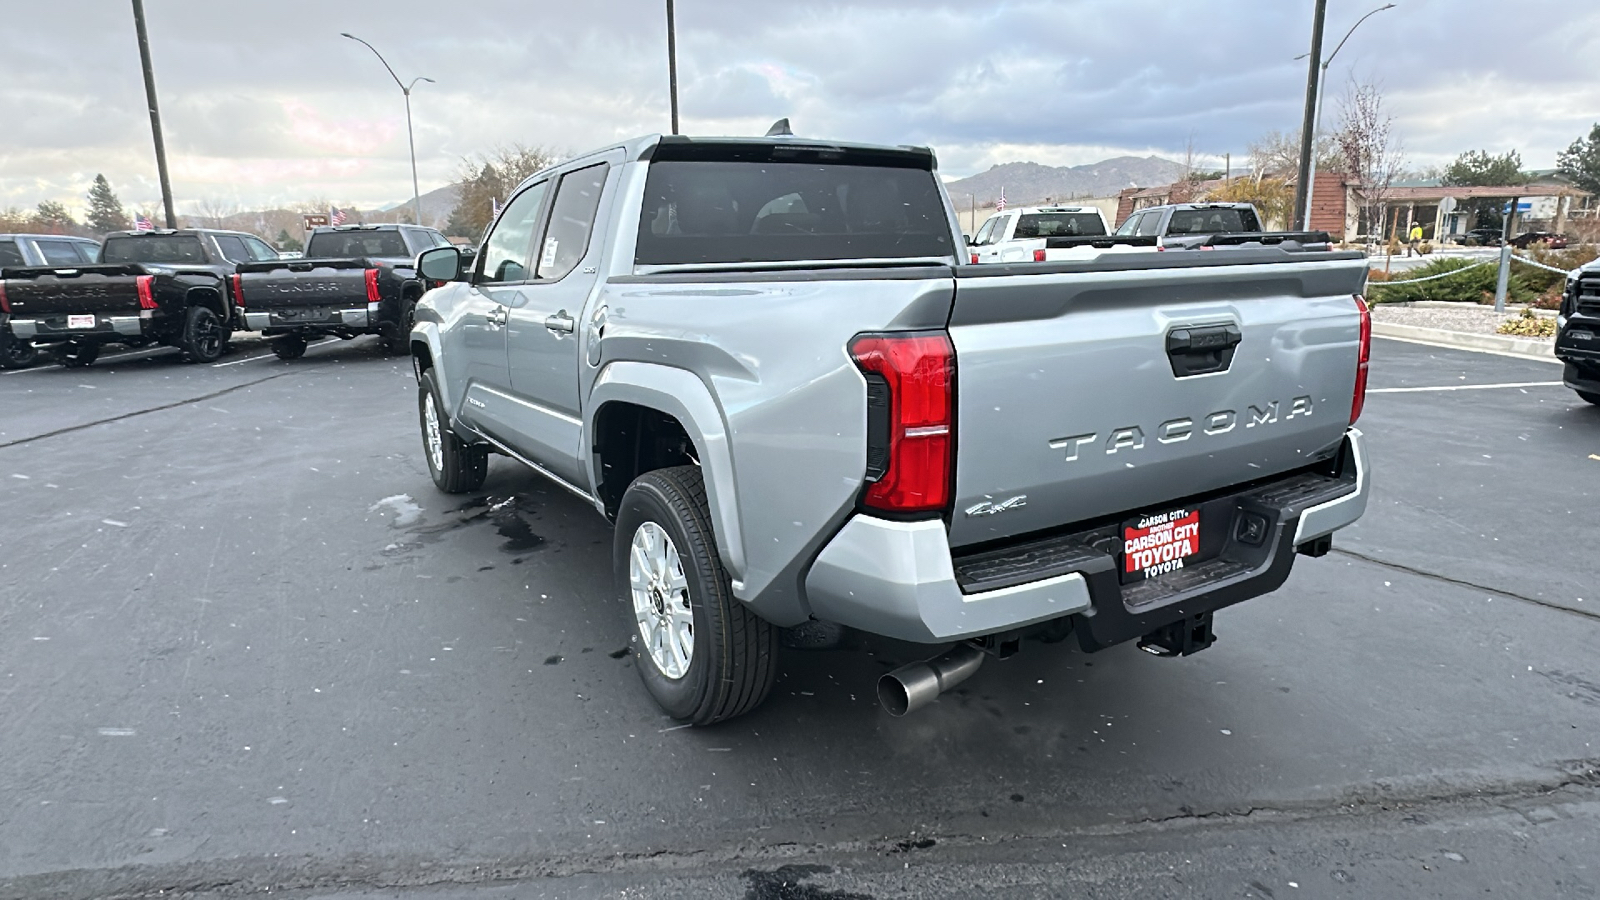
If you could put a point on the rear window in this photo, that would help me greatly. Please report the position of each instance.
(332, 244)
(153, 248)
(1045, 225)
(9, 254)
(1212, 221)
(758, 211)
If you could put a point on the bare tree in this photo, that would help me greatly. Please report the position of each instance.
(216, 211)
(1277, 153)
(487, 180)
(1372, 155)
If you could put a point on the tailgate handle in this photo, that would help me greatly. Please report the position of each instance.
(1202, 351)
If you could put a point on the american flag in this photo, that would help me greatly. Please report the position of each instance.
(1000, 205)
(336, 216)
(140, 223)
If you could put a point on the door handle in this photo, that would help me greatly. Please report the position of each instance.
(561, 323)
(496, 317)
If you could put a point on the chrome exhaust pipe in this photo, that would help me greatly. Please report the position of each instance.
(916, 685)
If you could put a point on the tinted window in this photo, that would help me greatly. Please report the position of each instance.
(1149, 224)
(707, 211)
(10, 253)
(89, 250)
(1128, 225)
(346, 244)
(259, 249)
(571, 220)
(987, 231)
(1038, 225)
(232, 248)
(153, 248)
(505, 252)
(59, 253)
(1212, 221)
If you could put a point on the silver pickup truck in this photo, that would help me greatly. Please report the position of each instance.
(765, 362)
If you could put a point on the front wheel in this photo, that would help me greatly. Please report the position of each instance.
(202, 339)
(703, 655)
(77, 354)
(1590, 397)
(456, 466)
(16, 353)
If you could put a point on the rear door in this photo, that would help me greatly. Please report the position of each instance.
(1123, 384)
(542, 341)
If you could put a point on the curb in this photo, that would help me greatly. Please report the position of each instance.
(1502, 345)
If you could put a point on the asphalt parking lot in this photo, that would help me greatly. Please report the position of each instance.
(244, 645)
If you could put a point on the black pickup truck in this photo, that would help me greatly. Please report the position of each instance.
(1578, 332)
(354, 280)
(150, 287)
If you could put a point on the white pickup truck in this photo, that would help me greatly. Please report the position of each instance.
(1019, 235)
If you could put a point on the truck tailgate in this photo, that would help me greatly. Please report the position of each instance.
(1108, 387)
(53, 291)
(297, 283)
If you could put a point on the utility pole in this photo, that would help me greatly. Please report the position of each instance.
(155, 111)
(416, 193)
(1302, 186)
(672, 64)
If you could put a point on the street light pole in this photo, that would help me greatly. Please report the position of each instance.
(1322, 95)
(672, 64)
(155, 111)
(416, 194)
(1302, 195)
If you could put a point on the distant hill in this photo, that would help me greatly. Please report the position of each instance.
(436, 204)
(1028, 182)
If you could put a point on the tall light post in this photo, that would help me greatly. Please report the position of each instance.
(155, 111)
(1322, 94)
(672, 63)
(416, 194)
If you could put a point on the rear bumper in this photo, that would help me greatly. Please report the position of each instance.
(321, 318)
(107, 328)
(899, 579)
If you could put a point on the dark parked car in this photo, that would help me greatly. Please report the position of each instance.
(1578, 332)
(1553, 240)
(150, 287)
(1481, 237)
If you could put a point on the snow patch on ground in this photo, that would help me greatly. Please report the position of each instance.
(406, 511)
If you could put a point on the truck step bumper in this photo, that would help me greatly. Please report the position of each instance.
(106, 327)
(899, 579)
(342, 319)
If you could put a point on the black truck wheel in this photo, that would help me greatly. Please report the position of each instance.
(16, 353)
(456, 466)
(289, 346)
(1590, 397)
(77, 354)
(703, 656)
(202, 337)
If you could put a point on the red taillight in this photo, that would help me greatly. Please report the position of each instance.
(1361, 366)
(920, 373)
(1038, 256)
(5, 305)
(372, 286)
(238, 291)
(974, 259)
(147, 294)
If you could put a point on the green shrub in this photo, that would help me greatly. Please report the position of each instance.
(1529, 324)
(1540, 280)
(1473, 286)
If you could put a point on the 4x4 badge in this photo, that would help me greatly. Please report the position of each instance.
(986, 508)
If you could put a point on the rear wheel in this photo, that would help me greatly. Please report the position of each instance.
(290, 346)
(16, 353)
(202, 338)
(1590, 397)
(703, 656)
(77, 354)
(456, 466)
(400, 341)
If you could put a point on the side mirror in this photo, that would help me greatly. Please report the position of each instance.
(440, 264)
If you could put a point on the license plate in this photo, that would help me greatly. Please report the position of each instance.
(1157, 544)
(80, 321)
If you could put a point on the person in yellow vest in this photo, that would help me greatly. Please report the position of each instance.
(1414, 239)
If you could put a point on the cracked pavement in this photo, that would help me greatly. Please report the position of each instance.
(244, 646)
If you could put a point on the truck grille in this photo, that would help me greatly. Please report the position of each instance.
(1589, 294)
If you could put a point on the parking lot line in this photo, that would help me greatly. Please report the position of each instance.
(265, 355)
(131, 354)
(1465, 387)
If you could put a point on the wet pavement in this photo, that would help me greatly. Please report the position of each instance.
(244, 645)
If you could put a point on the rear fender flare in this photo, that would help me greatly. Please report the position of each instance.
(682, 395)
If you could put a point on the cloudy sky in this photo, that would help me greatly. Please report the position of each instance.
(264, 103)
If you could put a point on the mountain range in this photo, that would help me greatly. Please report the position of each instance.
(1028, 182)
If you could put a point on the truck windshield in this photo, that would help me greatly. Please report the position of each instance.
(1044, 225)
(1225, 220)
(331, 244)
(761, 211)
(153, 248)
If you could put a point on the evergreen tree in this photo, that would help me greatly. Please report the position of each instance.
(288, 242)
(1581, 161)
(52, 217)
(105, 210)
(1478, 168)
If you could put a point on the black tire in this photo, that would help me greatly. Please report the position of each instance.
(289, 346)
(77, 354)
(735, 652)
(399, 342)
(203, 337)
(16, 353)
(457, 467)
(1589, 397)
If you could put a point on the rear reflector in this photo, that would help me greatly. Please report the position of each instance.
(974, 259)
(238, 291)
(918, 370)
(1038, 256)
(1360, 399)
(5, 305)
(147, 294)
(372, 286)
